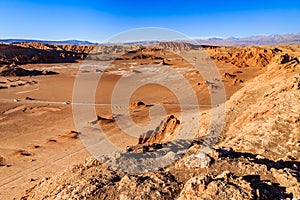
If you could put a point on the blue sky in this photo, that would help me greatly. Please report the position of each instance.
(97, 20)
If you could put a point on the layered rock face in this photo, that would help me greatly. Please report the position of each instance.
(164, 133)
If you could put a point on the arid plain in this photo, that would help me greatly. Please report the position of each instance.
(256, 156)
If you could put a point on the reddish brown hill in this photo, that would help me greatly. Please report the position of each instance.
(175, 46)
(36, 53)
(243, 57)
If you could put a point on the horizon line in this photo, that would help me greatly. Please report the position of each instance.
(191, 38)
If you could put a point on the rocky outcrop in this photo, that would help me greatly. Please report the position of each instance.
(223, 186)
(229, 76)
(148, 186)
(14, 70)
(93, 180)
(163, 133)
(2, 161)
(243, 57)
(287, 58)
(104, 120)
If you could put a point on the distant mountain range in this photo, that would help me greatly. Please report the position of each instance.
(253, 40)
(293, 38)
(64, 42)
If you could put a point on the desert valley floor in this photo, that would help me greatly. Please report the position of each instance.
(257, 155)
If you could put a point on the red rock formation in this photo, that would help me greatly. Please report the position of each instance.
(164, 133)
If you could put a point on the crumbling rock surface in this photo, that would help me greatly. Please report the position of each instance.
(223, 186)
(156, 185)
(199, 160)
(163, 133)
(80, 182)
(94, 180)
